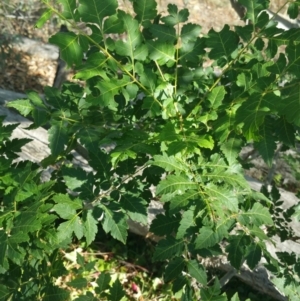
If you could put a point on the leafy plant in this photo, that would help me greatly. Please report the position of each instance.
(150, 114)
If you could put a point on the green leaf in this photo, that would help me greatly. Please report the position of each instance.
(66, 229)
(285, 131)
(44, 18)
(113, 24)
(135, 207)
(192, 51)
(103, 282)
(27, 221)
(187, 221)
(293, 52)
(167, 248)
(15, 145)
(212, 293)
(290, 107)
(94, 66)
(95, 11)
(52, 292)
(235, 297)
(24, 106)
(216, 97)
(116, 291)
(78, 228)
(145, 11)
(6, 131)
(70, 50)
(163, 32)
(69, 7)
(67, 201)
(253, 8)
(90, 227)
(222, 43)
(187, 294)
(40, 117)
(293, 10)
(64, 210)
(78, 283)
(134, 39)
(109, 89)
(169, 163)
(179, 283)
(266, 145)
(222, 198)
(252, 113)
(74, 177)
(205, 141)
(254, 255)
(175, 183)
(190, 32)
(208, 237)
(179, 202)
(161, 52)
(174, 16)
(259, 233)
(197, 271)
(258, 214)
(87, 297)
(80, 259)
(35, 99)
(231, 149)
(3, 246)
(236, 250)
(164, 225)
(115, 223)
(4, 293)
(174, 269)
(58, 138)
(16, 253)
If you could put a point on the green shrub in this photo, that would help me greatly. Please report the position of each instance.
(150, 114)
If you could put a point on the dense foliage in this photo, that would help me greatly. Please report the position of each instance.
(153, 112)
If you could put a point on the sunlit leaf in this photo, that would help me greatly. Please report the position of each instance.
(24, 106)
(44, 18)
(70, 50)
(115, 223)
(175, 183)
